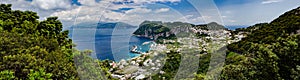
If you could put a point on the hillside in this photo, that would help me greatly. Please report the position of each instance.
(270, 50)
(31, 49)
(210, 26)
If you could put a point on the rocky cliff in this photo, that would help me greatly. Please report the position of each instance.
(158, 29)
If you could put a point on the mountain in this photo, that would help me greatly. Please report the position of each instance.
(215, 26)
(159, 29)
(153, 30)
(210, 26)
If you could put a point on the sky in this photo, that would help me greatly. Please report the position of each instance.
(225, 12)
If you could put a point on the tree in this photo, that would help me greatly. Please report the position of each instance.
(33, 49)
(7, 75)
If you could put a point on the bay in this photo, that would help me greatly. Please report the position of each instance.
(109, 43)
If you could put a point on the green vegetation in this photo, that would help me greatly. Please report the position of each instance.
(209, 26)
(151, 28)
(173, 62)
(270, 51)
(161, 38)
(201, 35)
(155, 29)
(7, 75)
(170, 67)
(250, 29)
(33, 49)
(89, 68)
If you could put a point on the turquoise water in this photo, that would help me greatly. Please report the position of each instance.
(110, 43)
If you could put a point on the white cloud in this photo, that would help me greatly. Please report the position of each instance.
(104, 11)
(52, 4)
(191, 19)
(87, 2)
(162, 10)
(151, 1)
(66, 15)
(145, 1)
(19, 4)
(240, 14)
(270, 1)
(87, 14)
(94, 11)
(255, 12)
(138, 10)
(232, 21)
(224, 16)
(34, 6)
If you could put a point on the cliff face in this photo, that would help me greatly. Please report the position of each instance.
(177, 30)
(152, 30)
(156, 29)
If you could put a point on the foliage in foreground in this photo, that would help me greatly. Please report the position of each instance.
(270, 51)
(32, 49)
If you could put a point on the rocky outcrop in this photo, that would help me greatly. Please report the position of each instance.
(156, 29)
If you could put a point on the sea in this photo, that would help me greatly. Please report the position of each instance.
(113, 43)
(234, 27)
(110, 43)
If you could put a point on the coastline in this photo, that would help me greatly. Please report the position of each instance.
(142, 54)
(152, 45)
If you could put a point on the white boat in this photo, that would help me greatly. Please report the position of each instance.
(145, 43)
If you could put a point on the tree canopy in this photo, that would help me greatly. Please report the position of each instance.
(33, 49)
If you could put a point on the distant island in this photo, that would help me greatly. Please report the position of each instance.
(103, 25)
(161, 30)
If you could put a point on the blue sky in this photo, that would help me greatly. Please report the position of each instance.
(226, 12)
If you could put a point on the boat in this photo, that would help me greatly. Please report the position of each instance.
(145, 43)
(134, 50)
